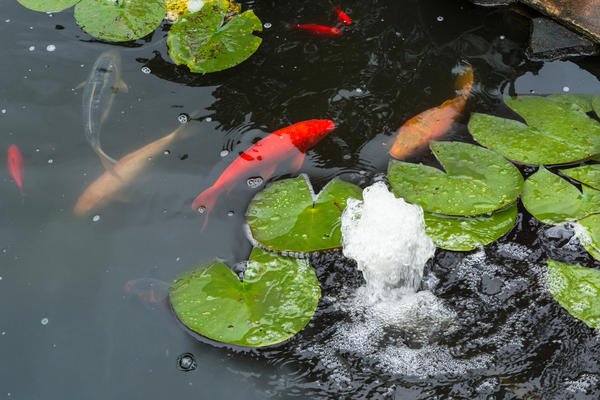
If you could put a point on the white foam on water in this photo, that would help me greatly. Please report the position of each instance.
(386, 236)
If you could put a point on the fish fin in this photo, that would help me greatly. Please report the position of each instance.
(464, 80)
(120, 86)
(297, 162)
(80, 86)
(107, 162)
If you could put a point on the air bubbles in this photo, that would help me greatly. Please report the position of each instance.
(96, 218)
(50, 161)
(31, 48)
(565, 89)
(267, 25)
(186, 362)
(440, 18)
(50, 47)
(208, 119)
(502, 37)
(183, 118)
(167, 152)
(224, 153)
(230, 213)
(44, 321)
(201, 210)
(146, 70)
(255, 182)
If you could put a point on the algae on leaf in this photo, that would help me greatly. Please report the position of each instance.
(468, 233)
(477, 181)
(120, 20)
(205, 43)
(48, 5)
(276, 299)
(577, 290)
(557, 132)
(553, 200)
(285, 217)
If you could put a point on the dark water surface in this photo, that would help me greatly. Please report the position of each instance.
(512, 342)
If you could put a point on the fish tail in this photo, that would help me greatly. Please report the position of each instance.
(107, 161)
(204, 203)
(464, 80)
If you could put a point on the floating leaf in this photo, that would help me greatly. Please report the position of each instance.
(204, 44)
(589, 234)
(48, 5)
(285, 216)
(176, 8)
(577, 290)
(587, 174)
(468, 233)
(121, 20)
(556, 132)
(276, 299)
(596, 104)
(553, 200)
(582, 101)
(477, 181)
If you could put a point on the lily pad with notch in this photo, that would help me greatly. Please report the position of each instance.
(120, 20)
(557, 132)
(275, 300)
(468, 233)
(205, 43)
(577, 290)
(477, 181)
(287, 217)
(48, 5)
(553, 200)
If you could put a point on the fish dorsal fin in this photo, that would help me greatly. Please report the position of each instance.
(120, 86)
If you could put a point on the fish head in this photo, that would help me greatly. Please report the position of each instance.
(307, 134)
(108, 62)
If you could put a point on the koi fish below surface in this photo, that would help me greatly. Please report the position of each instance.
(14, 163)
(343, 17)
(99, 91)
(320, 30)
(434, 122)
(284, 146)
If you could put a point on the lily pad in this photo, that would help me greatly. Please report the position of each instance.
(555, 133)
(276, 300)
(582, 101)
(201, 41)
(589, 234)
(120, 20)
(477, 181)
(48, 5)
(587, 174)
(553, 200)
(468, 233)
(577, 290)
(596, 105)
(286, 216)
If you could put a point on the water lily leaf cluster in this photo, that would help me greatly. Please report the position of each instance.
(275, 300)
(557, 130)
(577, 290)
(206, 36)
(471, 204)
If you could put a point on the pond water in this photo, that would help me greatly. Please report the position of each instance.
(68, 327)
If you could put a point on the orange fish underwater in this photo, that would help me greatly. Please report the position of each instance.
(14, 164)
(286, 145)
(434, 122)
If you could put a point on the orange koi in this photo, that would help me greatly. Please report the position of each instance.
(434, 122)
(343, 17)
(14, 164)
(320, 30)
(286, 145)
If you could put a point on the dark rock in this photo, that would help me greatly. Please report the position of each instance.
(551, 41)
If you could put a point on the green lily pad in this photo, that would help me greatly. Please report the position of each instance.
(468, 233)
(553, 200)
(276, 300)
(556, 132)
(577, 290)
(201, 41)
(121, 20)
(477, 181)
(285, 216)
(48, 5)
(581, 101)
(596, 105)
(589, 234)
(587, 174)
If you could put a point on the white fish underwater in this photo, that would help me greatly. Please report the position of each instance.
(98, 94)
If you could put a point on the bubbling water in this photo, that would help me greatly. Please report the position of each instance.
(386, 237)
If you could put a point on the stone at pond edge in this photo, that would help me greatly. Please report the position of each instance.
(276, 299)
(577, 290)
(550, 41)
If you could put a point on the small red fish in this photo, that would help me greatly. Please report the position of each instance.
(151, 292)
(15, 165)
(285, 148)
(320, 30)
(343, 17)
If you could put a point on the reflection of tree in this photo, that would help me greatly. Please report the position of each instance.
(397, 53)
